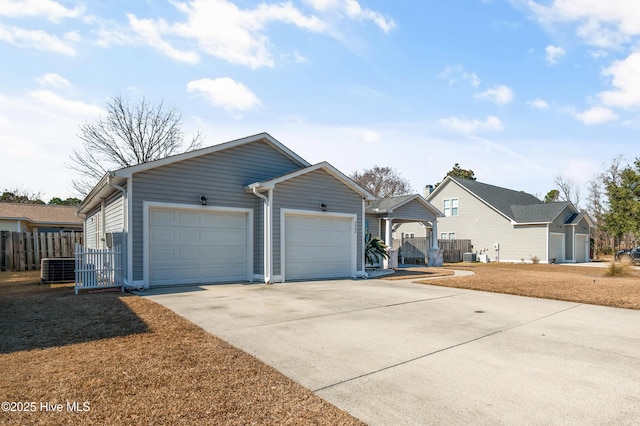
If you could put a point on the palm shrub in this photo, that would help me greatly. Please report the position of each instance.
(374, 248)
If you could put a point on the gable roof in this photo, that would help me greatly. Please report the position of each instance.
(387, 205)
(517, 206)
(40, 213)
(538, 213)
(260, 137)
(271, 183)
(104, 188)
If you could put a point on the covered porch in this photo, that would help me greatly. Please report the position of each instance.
(385, 215)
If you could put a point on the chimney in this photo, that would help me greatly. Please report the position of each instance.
(428, 189)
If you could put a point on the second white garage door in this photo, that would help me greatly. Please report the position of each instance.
(556, 247)
(318, 247)
(197, 246)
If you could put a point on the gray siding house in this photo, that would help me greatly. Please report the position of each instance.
(245, 210)
(511, 226)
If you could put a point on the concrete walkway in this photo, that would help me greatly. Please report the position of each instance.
(393, 352)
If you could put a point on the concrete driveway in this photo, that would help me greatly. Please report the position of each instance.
(393, 352)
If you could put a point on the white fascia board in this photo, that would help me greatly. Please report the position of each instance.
(270, 184)
(126, 172)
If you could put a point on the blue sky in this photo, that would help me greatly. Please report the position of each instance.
(518, 91)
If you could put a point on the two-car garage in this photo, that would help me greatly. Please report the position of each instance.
(188, 245)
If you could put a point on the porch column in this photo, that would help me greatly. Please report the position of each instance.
(387, 237)
(434, 235)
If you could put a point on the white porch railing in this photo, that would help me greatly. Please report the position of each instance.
(98, 268)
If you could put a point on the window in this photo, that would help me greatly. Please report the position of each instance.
(444, 236)
(448, 236)
(451, 207)
(452, 235)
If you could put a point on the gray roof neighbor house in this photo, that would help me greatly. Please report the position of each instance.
(511, 226)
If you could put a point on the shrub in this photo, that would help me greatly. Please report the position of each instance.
(535, 260)
(619, 269)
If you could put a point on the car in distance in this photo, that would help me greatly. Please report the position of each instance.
(631, 254)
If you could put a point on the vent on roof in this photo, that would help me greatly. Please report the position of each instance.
(58, 270)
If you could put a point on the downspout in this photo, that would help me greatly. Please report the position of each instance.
(124, 199)
(124, 217)
(103, 217)
(267, 234)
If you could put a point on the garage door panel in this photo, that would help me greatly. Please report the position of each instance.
(188, 218)
(556, 249)
(161, 217)
(318, 247)
(188, 236)
(197, 246)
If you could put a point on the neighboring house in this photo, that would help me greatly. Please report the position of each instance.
(511, 226)
(245, 210)
(19, 217)
(385, 215)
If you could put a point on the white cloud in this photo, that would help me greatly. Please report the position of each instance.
(538, 103)
(221, 29)
(354, 10)
(605, 24)
(67, 106)
(554, 53)
(225, 93)
(473, 78)
(151, 31)
(37, 39)
(466, 126)
(452, 73)
(596, 115)
(499, 95)
(626, 82)
(49, 9)
(39, 134)
(367, 136)
(54, 80)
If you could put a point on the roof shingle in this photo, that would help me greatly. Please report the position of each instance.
(40, 213)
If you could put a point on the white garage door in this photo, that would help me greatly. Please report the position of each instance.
(318, 247)
(556, 247)
(581, 248)
(189, 246)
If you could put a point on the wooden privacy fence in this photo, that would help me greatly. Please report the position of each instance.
(22, 251)
(98, 268)
(453, 250)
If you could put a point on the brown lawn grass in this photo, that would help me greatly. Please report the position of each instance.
(416, 272)
(134, 362)
(560, 282)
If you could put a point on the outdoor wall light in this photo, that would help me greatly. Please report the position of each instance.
(323, 207)
(203, 200)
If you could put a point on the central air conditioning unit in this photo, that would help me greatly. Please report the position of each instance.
(58, 270)
(468, 257)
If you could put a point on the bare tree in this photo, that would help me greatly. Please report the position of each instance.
(382, 182)
(568, 189)
(128, 135)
